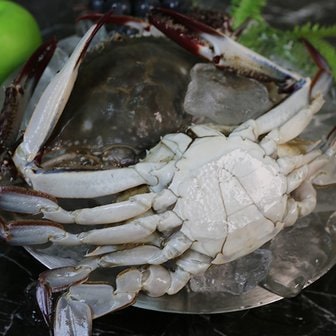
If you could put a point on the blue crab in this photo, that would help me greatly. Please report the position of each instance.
(211, 198)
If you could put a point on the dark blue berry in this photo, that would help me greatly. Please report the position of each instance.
(97, 5)
(179, 5)
(121, 7)
(142, 7)
(118, 7)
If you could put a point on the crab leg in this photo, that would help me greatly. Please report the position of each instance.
(21, 200)
(193, 262)
(289, 118)
(52, 102)
(290, 129)
(327, 175)
(156, 171)
(216, 47)
(104, 182)
(154, 279)
(32, 232)
(323, 78)
(77, 307)
(84, 302)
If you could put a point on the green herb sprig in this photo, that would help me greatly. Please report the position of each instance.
(283, 45)
(242, 10)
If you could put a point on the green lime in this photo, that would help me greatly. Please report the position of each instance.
(19, 37)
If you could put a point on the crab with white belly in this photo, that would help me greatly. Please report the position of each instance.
(213, 198)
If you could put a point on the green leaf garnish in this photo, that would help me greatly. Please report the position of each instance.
(283, 46)
(242, 10)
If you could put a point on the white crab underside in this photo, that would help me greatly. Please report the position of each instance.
(218, 201)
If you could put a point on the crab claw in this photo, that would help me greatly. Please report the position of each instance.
(53, 100)
(220, 49)
(19, 92)
(17, 95)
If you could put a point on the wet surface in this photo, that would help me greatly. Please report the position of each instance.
(311, 313)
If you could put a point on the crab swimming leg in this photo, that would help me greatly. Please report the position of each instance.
(84, 302)
(77, 307)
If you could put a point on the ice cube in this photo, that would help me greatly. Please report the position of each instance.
(224, 98)
(300, 254)
(236, 277)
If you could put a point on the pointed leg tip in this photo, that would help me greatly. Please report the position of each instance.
(4, 233)
(44, 301)
(60, 279)
(319, 60)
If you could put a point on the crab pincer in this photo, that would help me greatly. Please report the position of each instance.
(17, 96)
(223, 51)
(54, 99)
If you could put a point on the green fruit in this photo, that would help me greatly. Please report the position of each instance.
(19, 37)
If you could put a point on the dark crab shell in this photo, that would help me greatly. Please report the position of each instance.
(128, 94)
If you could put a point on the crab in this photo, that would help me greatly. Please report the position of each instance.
(211, 198)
